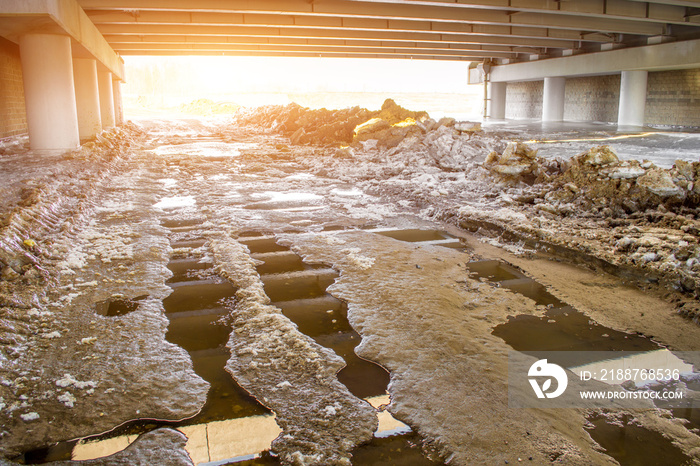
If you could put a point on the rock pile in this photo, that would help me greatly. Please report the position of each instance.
(518, 162)
(599, 178)
(385, 128)
(306, 126)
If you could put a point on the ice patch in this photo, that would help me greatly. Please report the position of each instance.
(275, 196)
(330, 239)
(358, 260)
(204, 149)
(67, 399)
(52, 335)
(168, 182)
(68, 380)
(347, 192)
(29, 417)
(300, 176)
(175, 202)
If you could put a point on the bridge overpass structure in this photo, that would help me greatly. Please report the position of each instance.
(632, 62)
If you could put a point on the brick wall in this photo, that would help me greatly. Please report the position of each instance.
(593, 98)
(524, 100)
(673, 98)
(13, 114)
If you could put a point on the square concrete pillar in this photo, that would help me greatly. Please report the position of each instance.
(497, 101)
(118, 103)
(553, 101)
(104, 80)
(47, 72)
(87, 97)
(633, 99)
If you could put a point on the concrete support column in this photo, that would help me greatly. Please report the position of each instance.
(47, 72)
(104, 80)
(633, 98)
(118, 104)
(497, 101)
(553, 102)
(87, 97)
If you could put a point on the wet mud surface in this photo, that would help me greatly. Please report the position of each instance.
(212, 293)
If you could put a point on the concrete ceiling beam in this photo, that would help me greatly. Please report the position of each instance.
(612, 9)
(388, 11)
(209, 24)
(684, 3)
(117, 41)
(217, 33)
(217, 48)
(267, 53)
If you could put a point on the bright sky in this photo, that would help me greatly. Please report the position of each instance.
(165, 83)
(271, 74)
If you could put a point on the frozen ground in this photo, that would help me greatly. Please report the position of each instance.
(81, 229)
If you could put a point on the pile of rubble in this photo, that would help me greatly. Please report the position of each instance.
(306, 126)
(385, 128)
(598, 179)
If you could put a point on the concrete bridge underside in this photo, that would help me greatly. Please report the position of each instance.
(70, 50)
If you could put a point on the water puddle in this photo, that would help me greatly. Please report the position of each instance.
(632, 445)
(424, 237)
(117, 306)
(299, 290)
(232, 424)
(563, 328)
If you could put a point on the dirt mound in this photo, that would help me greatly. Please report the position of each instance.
(518, 162)
(307, 126)
(388, 126)
(598, 177)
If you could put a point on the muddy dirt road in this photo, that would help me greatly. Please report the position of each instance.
(208, 292)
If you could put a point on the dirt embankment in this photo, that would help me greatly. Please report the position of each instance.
(629, 216)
